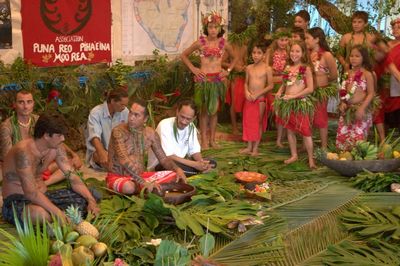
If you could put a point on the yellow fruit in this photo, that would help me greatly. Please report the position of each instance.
(81, 226)
(86, 241)
(332, 156)
(99, 249)
(396, 154)
(343, 159)
(82, 256)
(347, 155)
(71, 236)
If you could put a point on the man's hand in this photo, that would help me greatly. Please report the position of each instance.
(103, 157)
(150, 186)
(76, 162)
(180, 175)
(93, 208)
(203, 165)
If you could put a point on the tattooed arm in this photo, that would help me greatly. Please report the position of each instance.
(24, 162)
(165, 161)
(5, 139)
(133, 167)
(76, 183)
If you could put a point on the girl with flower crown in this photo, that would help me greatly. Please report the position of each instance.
(356, 95)
(292, 104)
(209, 78)
(276, 58)
(325, 70)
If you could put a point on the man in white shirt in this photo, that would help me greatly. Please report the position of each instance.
(179, 141)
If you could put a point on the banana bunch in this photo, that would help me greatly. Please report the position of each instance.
(363, 150)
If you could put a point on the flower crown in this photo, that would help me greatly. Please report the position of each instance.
(395, 21)
(212, 17)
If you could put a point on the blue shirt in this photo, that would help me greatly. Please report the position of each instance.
(100, 123)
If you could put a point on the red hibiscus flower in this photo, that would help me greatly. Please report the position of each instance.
(160, 96)
(177, 93)
(342, 93)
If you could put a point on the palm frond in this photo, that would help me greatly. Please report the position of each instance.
(372, 253)
(261, 244)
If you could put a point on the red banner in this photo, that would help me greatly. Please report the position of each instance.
(66, 32)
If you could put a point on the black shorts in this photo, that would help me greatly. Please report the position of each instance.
(62, 198)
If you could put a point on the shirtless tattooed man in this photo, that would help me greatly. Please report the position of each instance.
(23, 185)
(127, 153)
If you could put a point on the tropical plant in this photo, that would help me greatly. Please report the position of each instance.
(375, 182)
(31, 247)
(369, 223)
(372, 253)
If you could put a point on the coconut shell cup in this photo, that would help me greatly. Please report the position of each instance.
(176, 193)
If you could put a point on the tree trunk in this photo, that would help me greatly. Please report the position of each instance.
(338, 21)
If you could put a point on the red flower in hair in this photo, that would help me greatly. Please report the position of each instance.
(177, 93)
(160, 96)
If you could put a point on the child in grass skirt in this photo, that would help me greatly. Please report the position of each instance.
(276, 58)
(293, 104)
(325, 70)
(356, 95)
(209, 78)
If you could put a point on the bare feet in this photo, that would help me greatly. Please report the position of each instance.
(214, 145)
(291, 160)
(311, 164)
(245, 151)
(235, 131)
(204, 146)
(254, 153)
(279, 144)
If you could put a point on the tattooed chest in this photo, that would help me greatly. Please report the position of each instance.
(11, 177)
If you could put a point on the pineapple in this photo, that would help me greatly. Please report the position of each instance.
(81, 226)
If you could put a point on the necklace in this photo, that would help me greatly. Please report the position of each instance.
(25, 125)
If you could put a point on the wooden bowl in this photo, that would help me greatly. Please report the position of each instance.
(250, 177)
(352, 168)
(177, 193)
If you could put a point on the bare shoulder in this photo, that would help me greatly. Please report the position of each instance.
(150, 133)
(346, 37)
(22, 153)
(119, 131)
(5, 126)
(367, 74)
(371, 37)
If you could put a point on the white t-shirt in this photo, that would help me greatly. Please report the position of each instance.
(187, 144)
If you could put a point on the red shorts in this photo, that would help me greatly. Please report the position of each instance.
(116, 181)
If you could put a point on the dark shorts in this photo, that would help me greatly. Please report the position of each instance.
(62, 198)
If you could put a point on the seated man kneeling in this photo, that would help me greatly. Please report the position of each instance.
(23, 185)
(127, 155)
(179, 141)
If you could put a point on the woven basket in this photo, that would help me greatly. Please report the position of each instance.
(352, 168)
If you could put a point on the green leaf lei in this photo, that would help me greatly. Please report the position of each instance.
(176, 133)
